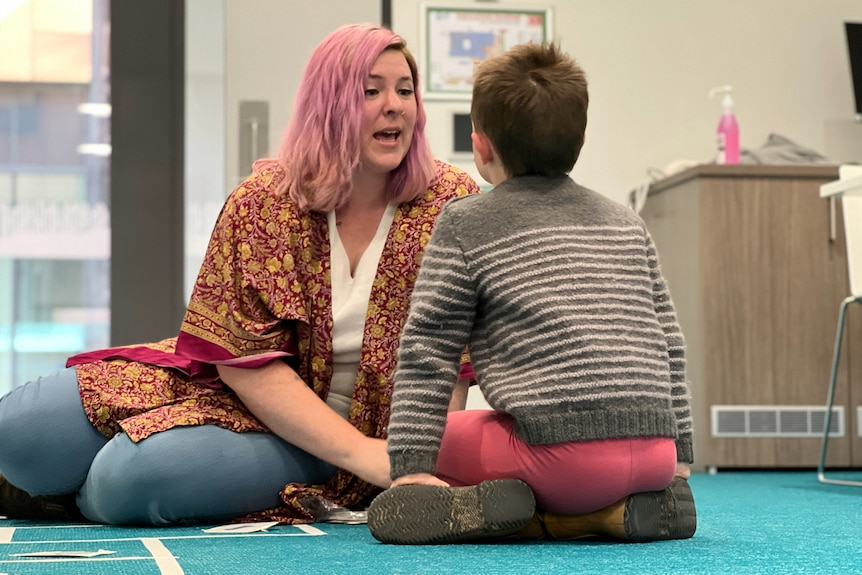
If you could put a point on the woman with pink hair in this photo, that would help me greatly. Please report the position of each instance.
(278, 385)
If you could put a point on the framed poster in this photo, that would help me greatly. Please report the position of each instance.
(455, 39)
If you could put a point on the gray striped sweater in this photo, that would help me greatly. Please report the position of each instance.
(557, 292)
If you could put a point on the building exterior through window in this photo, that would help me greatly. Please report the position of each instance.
(54, 184)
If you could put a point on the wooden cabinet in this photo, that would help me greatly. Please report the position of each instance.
(757, 268)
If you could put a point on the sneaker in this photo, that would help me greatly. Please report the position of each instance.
(18, 504)
(661, 515)
(428, 514)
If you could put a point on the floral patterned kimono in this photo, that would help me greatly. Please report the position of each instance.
(264, 294)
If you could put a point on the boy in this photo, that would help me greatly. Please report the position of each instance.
(557, 292)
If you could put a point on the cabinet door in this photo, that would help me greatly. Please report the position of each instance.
(773, 282)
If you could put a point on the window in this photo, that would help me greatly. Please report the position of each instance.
(54, 184)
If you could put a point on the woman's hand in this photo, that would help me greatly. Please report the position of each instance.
(419, 479)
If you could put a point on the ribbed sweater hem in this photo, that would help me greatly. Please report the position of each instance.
(594, 424)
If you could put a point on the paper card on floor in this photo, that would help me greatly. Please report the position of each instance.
(345, 516)
(84, 554)
(241, 527)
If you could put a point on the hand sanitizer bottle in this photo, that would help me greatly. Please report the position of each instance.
(728, 128)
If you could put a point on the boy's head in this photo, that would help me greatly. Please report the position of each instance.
(531, 103)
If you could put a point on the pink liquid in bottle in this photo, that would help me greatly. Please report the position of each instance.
(728, 139)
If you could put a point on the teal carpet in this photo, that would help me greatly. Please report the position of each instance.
(748, 523)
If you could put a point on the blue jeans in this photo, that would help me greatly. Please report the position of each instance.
(203, 473)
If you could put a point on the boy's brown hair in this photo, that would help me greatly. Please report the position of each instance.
(531, 102)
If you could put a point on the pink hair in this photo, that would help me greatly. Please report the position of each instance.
(321, 146)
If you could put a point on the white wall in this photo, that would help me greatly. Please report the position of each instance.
(651, 64)
(650, 67)
(205, 186)
(268, 43)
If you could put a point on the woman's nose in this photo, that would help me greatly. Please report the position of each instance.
(394, 104)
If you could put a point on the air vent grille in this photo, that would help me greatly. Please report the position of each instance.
(777, 421)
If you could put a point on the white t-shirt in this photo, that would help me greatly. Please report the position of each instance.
(350, 297)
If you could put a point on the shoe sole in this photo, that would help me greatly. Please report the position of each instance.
(16, 503)
(661, 515)
(427, 514)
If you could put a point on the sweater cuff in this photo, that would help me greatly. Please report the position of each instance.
(407, 462)
(684, 451)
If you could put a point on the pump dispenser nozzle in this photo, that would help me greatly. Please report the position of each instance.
(726, 89)
(727, 99)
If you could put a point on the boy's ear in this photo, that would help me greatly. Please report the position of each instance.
(483, 147)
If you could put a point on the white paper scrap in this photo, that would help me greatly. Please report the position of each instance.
(345, 516)
(84, 554)
(241, 527)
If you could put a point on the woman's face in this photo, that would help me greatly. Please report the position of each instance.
(389, 113)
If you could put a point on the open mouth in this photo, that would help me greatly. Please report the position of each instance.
(387, 135)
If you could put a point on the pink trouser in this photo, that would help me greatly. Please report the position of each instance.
(567, 478)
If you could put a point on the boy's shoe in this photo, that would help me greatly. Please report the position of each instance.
(639, 518)
(18, 504)
(428, 514)
(661, 515)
